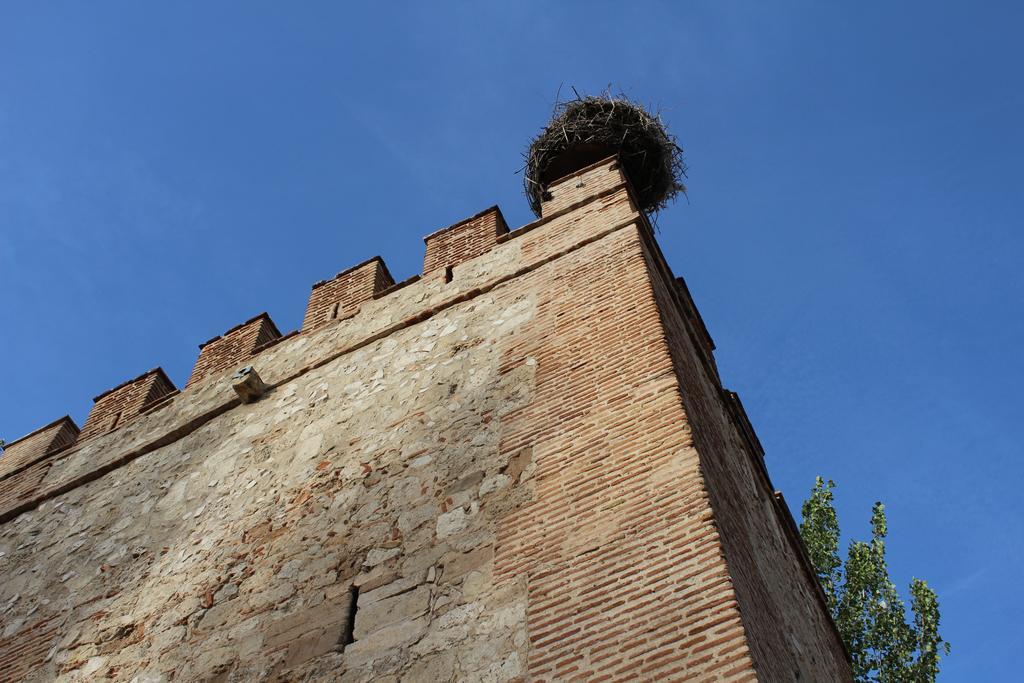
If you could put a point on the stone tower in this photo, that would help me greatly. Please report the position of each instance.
(519, 465)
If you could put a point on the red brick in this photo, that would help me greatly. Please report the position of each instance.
(464, 240)
(116, 407)
(53, 437)
(341, 296)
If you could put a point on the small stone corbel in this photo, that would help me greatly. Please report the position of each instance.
(247, 384)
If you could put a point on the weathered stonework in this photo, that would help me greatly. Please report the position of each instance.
(524, 470)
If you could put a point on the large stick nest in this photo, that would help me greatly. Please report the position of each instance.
(588, 129)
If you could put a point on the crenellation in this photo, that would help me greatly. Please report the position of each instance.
(233, 348)
(465, 240)
(341, 296)
(406, 304)
(55, 436)
(120, 405)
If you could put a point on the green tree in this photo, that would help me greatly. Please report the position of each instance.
(867, 608)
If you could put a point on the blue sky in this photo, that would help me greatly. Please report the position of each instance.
(852, 234)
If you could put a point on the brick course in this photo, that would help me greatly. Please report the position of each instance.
(20, 486)
(605, 541)
(23, 653)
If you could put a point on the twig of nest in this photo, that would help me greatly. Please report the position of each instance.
(588, 129)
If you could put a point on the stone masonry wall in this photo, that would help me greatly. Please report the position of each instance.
(504, 475)
(233, 551)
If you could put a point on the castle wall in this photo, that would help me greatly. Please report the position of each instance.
(627, 580)
(488, 476)
(233, 551)
(785, 620)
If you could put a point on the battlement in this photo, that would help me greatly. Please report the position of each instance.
(118, 406)
(341, 296)
(355, 307)
(464, 240)
(59, 434)
(223, 353)
(364, 297)
(531, 434)
(590, 181)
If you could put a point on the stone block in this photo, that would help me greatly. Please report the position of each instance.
(378, 614)
(247, 384)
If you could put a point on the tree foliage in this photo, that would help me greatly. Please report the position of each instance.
(868, 611)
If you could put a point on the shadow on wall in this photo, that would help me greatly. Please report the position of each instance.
(240, 547)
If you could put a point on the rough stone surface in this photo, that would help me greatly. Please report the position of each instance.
(526, 472)
(247, 384)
